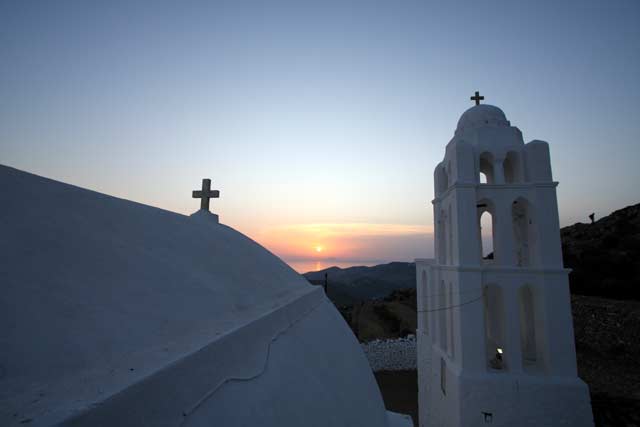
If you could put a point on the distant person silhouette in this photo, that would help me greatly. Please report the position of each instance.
(592, 217)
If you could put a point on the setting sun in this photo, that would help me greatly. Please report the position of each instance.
(340, 241)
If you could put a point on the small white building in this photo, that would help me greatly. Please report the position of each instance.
(495, 332)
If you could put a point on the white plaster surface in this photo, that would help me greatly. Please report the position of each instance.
(391, 355)
(117, 313)
(399, 420)
(482, 115)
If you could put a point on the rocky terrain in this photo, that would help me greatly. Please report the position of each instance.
(605, 255)
(607, 334)
(397, 354)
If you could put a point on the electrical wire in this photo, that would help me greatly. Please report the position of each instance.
(456, 292)
(452, 306)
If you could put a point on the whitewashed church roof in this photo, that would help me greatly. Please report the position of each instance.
(482, 115)
(118, 313)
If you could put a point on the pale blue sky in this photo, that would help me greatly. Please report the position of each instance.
(315, 112)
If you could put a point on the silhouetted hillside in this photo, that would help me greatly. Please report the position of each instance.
(605, 256)
(355, 284)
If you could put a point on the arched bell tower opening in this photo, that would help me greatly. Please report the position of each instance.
(442, 179)
(486, 168)
(523, 232)
(512, 169)
(528, 333)
(442, 317)
(494, 323)
(451, 320)
(486, 236)
(442, 236)
(424, 326)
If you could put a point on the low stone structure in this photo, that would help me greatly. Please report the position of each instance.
(391, 355)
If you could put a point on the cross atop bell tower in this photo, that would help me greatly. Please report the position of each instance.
(477, 97)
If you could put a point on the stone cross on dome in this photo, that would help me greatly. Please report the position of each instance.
(205, 194)
(477, 98)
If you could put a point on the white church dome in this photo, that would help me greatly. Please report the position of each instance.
(482, 115)
(118, 313)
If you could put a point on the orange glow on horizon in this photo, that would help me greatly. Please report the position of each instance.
(339, 241)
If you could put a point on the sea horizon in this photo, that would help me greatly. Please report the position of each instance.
(306, 266)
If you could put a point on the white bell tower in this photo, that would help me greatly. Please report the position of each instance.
(495, 332)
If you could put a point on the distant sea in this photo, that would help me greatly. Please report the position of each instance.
(311, 265)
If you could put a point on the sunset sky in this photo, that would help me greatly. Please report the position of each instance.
(319, 121)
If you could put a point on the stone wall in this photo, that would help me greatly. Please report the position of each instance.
(391, 355)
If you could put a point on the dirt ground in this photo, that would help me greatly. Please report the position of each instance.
(400, 391)
(607, 334)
